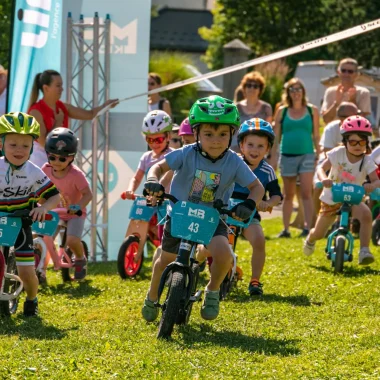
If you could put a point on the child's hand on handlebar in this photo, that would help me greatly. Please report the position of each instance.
(38, 214)
(368, 187)
(127, 195)
(263, 206)
(153, 189)
(243, 210)
(327, 182)
(73, 209)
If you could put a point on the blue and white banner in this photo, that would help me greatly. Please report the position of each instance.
(36, 46)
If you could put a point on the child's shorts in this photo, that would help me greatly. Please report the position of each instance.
(24, 251)
(75, 227)
(171, 244)
(329, 210)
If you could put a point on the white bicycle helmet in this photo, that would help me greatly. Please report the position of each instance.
(156, 121)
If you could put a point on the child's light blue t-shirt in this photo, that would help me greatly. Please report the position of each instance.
(198, 180)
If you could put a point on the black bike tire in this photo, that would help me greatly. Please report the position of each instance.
(121, 257)
(9, 307)
(176, 293)
(340, 246)
(224, 288)
(376, 232)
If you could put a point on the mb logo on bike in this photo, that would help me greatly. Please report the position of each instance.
(196, 213)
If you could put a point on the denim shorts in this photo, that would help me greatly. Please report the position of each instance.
(291, 166)
(171, 244)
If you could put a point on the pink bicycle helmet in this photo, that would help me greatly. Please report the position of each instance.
(185, 128)
(356, 124)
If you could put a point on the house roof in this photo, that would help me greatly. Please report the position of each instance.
(177, 29)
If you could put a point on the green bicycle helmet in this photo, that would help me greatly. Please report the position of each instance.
(20, 123)
(214, 110)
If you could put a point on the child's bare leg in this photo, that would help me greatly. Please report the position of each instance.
(76, 246)
(363, 214)
(321, 227)
(29, 279)
(254, 234)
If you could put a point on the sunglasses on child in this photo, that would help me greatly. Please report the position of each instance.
(295, 89)
(252, 85)
(347, 71)
(356, 142)
(60, 159)
(157, 140)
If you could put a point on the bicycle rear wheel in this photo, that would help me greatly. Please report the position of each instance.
(170, 308)
(376, 232)
(10, 307)
(340, 246)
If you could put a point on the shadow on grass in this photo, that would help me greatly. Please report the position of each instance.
(73, 290)
(232, 339)
(348, 270)
(240, 295)
(31, 328)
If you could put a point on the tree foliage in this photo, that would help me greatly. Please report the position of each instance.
(172, 68)
(267, 26)
(5, 31)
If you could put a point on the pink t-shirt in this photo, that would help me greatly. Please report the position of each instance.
(70, 188)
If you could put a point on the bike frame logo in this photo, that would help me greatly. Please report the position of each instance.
(123, 38)
(197, 213)
(41, 22)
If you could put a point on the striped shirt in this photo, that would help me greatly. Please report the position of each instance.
(22, 188)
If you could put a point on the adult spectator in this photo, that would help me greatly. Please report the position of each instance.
(175, 141)
(251, 88)
(297, 130)
(3, 90)
(155, 101)
(346, 91)
(50, 112)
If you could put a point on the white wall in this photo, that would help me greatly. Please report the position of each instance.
(185, 4)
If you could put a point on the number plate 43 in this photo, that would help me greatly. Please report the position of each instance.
(194, 222)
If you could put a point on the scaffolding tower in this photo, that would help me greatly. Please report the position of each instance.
(89, 59)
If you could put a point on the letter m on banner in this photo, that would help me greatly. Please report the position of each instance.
(36, 46)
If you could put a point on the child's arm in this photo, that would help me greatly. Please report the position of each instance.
(86, 197)
(152, 187)
(275, 196)
(244, 210)
(134, 183)
(39, 213)
(375, 182)
(321, 172)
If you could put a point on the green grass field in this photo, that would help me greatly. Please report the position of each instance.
(310, 324)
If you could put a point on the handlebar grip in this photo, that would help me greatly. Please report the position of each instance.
(123, 196)
(319, 185)
(48, 216)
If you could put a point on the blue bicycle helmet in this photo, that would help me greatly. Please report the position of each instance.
(256, 126)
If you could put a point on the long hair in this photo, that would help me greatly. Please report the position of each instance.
(286, 98)
(40, 80)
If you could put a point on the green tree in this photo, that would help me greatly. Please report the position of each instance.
(172, 68)
(5, 31)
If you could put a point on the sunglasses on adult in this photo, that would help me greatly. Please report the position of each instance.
(295, 89)
(356, 142)
(252, 85)
(151, 83)
(156, 140)
(347, 71)
(60, 159)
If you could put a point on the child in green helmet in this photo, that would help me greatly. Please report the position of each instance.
(22, 184)
(204, 172)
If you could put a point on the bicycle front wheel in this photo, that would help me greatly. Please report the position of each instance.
(177, 292)
(10, 307)
(376, 232)
(340, 246)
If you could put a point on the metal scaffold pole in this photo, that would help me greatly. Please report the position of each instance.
(88, 61)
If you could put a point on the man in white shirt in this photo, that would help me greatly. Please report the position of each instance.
(346, 91)
(3, 89)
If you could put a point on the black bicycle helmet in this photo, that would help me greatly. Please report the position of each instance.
(62, 142)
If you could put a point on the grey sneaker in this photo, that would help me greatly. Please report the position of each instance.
(210, 307)
(149, 311)
(365, 257)
(308, 248)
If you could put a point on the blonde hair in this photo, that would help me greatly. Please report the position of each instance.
(286, 98)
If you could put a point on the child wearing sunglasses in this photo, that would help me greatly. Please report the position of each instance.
(156, 129)
(350, 164)
(61, 147)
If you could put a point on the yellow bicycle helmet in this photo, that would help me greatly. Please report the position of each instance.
(20, 123)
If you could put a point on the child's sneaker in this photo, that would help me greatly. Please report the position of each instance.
(31, 308)
(255, 288)
(308, 248)
(210, 307)
(365, 257)
(80, 269)
(149, 310)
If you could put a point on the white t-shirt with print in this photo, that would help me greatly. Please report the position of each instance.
(343, 171)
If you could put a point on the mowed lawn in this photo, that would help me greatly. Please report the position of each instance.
(310, 324)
